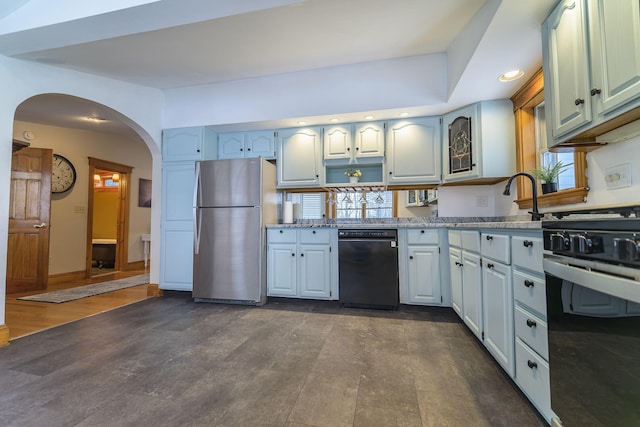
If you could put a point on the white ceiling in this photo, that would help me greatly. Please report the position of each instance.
(180, 43)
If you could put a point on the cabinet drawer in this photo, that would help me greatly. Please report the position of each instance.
(281, 235)
(532, 330)
(455, 238)
(532, 375)
(422, 237)
(496, 247)
(526, 252)
(530, 291)
(470, 240)
(308, 235)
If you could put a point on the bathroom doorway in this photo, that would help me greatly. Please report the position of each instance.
(107, 217)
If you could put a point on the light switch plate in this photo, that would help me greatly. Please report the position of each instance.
(618, 176)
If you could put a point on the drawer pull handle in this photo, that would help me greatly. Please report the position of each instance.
(489, 237)
(527, 243)
(528, 283)
(531, 364)
(489, 265)
(459, 264)
(531, 323)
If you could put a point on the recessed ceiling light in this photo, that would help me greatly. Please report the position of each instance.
(302, 122)
(511, 75)
(405, 114)
(369, 117)
(334, 120)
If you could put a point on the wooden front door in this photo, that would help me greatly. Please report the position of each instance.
(29, 207)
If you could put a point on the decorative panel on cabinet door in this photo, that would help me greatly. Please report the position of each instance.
(615, 53)
(424, 275)
(413, 151)
(369, 139)
(231, 145)
(281, 269)
(455, 266)
(194, 143)
(260, 143)
(497, 310)
(300, 158)
(567, 76)
(176, 259)
(178, 181)
(472, 292)
(315, 271)
(338, 142)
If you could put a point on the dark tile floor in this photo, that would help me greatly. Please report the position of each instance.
(170, 362)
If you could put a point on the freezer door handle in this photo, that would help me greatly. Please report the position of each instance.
(196, 187)
(196, 230)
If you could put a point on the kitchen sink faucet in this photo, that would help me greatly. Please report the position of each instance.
(535, 215)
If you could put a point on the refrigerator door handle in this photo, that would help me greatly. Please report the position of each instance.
(196, 187)
(196, 230)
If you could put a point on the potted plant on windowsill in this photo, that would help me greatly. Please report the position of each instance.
(354, 175)
(549, 174)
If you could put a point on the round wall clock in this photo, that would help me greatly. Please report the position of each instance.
(63, 174)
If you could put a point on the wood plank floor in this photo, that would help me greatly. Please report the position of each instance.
(26, 317)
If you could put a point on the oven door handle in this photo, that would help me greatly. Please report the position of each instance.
(608, 283)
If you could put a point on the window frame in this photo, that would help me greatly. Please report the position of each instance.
(524, 103)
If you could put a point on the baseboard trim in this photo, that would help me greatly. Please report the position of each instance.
(136, 265)
(67, 277)
(153, 290)
(4, 335)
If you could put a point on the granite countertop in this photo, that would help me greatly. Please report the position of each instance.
(509, 222)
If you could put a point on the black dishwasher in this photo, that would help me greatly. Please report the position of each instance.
(368, 268)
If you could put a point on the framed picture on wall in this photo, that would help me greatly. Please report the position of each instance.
(144, 193)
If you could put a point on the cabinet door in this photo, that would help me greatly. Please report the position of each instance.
(299, 158)
(565, 57)
(315, 271)
(369, 140)
(460, 143)
(455, 267)
(231, 145)
(424, 275)
(281, 270)
(260, 143)
(177, 192)
(176, 258)
(413, 151)
(182, 144)
(337, 142)
(615, 52)
(472, 292)
(498, 313)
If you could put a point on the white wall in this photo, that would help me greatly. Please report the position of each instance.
(141, 108)
(67, 248)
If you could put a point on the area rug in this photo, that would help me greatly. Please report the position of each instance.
(85, 291)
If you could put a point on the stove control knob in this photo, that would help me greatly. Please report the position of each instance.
(626, 249)
(559, 242)
(585, 244)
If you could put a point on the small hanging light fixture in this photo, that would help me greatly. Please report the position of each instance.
(115, 177)
(96, 178)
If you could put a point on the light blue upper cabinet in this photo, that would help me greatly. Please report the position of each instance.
(234, 145)
(194, 143)
(354, 143)
(591, 61)
(300, 158)
(413, 151)
(566, 68)
(478, 143)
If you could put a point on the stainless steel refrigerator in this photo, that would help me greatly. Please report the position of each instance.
(233, 200)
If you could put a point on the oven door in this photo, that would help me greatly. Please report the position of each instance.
(593, 316)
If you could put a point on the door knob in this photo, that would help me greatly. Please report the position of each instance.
(41, 225)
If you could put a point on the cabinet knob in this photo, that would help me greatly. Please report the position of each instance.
(248, 149)
(198, 150)
(348, 148)
(527, 244)
(459, 264)
(410, 256)
(281, 231)
(489, 237)
(242, 149)
(422, 231)
(528, 283)
(301, 254)
(293, 254)
(314, 231)
(357, 148)
(390, 173)
(489, 265)
(317, 176)
(532, 364)
(579, 101)
(595, 91)
(531, 323)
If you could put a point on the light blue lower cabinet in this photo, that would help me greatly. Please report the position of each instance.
(497, 296)
(420, 267)
(305, 266)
